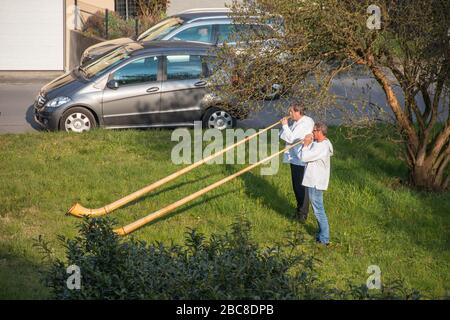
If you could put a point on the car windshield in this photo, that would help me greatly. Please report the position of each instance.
(158, 31)
(108, 61)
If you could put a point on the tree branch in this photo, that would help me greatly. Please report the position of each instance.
(401, 78)
(435, 105)
(446, 182)
(440, 141)
(442, 156)
(410, 98)
(400, 116)
(440, 172)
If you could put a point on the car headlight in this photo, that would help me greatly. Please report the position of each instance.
(59, 101)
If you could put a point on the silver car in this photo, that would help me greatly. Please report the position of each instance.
(157, 84)
(212, 26)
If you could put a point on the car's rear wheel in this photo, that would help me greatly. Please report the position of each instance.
(78, 120)
(216, 118)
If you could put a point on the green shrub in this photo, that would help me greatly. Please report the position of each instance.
(117, 26)
(227, 266)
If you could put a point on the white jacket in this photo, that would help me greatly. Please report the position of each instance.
(317, 158)
(296, 132)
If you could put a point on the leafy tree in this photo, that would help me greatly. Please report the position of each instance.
(321, 39)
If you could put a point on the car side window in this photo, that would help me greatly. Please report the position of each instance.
(184, 67)
(198, 33)
(257, 30)
(225, 33)
(233, 32)
(139, 71)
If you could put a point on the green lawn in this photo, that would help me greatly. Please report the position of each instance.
(374, 220)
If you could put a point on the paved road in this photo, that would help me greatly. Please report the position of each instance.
(16, 113)
(17, 96)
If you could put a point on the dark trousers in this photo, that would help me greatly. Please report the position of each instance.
(301, 192)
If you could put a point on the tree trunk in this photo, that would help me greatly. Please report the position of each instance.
(425, 175)
(426, 167)
(422, 177)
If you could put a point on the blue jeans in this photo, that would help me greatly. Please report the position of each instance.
(316, 200)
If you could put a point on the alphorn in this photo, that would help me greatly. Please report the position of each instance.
(79, 211)
(161, 212)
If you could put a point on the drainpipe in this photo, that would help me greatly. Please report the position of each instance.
(76, 15)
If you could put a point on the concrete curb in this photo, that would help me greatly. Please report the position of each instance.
(28, 76)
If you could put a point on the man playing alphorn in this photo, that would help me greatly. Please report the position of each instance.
(302, 126)
(317, 155)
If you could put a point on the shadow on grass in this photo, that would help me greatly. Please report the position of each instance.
(188, 207)
(171, 188)
(393, 198)
(256, 187)
(19, 277)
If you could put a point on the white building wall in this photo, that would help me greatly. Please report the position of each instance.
(32, 35)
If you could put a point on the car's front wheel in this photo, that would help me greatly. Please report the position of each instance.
(78, 120)
(215, 118)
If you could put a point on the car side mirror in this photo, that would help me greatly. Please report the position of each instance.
(112, 84)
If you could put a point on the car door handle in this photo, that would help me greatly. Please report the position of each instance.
(153, 89)
(200, 84)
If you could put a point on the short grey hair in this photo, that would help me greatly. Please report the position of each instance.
(297, 107)
(322, 127)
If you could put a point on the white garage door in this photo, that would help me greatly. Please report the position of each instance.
(31, 35)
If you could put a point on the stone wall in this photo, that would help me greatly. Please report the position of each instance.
(78, 43)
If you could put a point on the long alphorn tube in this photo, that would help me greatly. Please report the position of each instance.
(80, 211)
(161, 212)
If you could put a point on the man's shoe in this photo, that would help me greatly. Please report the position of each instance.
(300, 216)
(323, 244)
